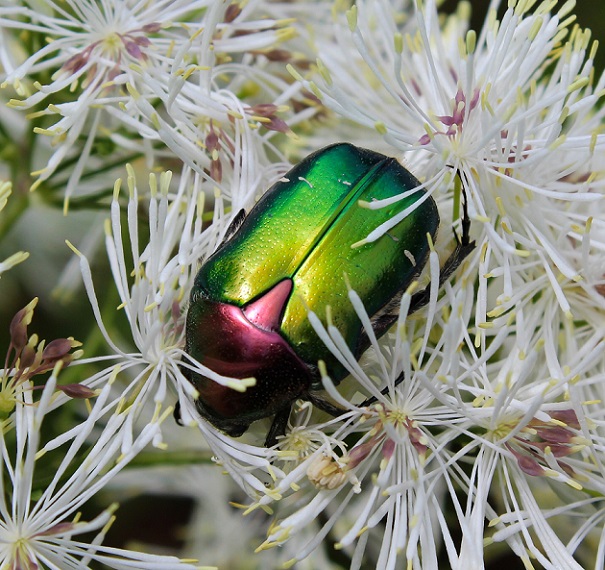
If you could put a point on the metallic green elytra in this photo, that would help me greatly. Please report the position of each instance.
(292, 253)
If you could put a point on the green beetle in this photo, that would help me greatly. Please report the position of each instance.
(292, 253)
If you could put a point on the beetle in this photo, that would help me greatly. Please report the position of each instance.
(247, 314)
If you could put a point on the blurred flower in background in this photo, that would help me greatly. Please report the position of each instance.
(136, 132)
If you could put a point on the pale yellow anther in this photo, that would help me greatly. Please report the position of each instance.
(535, 29)
(471, 41)
(398, 43)
(324, 72)
(352, 18)
(380, 127)
(579, 83)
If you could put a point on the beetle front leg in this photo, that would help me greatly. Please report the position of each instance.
(280, 420)
(278, 427)
(325, 406)
(336, 411)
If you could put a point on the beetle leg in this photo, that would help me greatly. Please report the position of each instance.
(464, 246)
(278, 427)
(389, 315)
(336, 411)
(325, 406)
(280, 421)
(384, 392)
(177, 414)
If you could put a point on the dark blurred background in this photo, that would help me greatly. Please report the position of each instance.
(590, 14)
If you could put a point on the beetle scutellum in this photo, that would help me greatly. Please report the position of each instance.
(247, 315)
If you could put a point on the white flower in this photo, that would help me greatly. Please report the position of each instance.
(394, 473)
(517, 420)
(198, 111)
(40, 526)
(153, 292)
(98, 53)
(153, 287)
(512, 110)
(525, 427)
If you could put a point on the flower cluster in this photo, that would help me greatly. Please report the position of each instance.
(155, 81)
(473, 422)
(512, 113)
